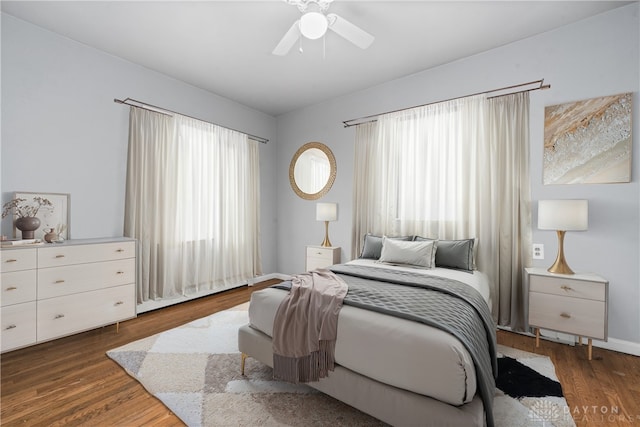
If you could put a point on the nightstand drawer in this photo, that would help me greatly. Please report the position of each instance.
(583, 317)
(567, 287)
(321, 257)
(321, 253)
(316, 263)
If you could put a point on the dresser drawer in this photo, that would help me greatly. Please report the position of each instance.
(583, 317)
(18, 259)
(567, 287)
(69, 279)
(54, 256)
(78, 312)
(18, 325)
(18, 287)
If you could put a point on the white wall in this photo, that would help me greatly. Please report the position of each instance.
(62, 132)
(595, 57)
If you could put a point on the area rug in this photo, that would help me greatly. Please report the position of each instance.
(195, 371)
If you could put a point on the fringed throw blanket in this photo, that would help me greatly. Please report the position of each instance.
(305, 327)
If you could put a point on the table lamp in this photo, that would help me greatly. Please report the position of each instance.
(326, 212)
(562, 216)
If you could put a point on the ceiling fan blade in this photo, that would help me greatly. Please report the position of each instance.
(289, 39)
(346, 29)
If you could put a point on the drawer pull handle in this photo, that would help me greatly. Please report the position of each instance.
(11, 288)
(120, 272)
(10, 327)
(59, 256)
(566, 288)
(59, 281)
(119, 303)
(59, 316)
(11, 260)
(119, 250)
(565, 315)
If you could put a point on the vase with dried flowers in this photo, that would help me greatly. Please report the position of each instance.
(25, 212)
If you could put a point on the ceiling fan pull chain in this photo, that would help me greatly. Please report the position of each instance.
(324, 46)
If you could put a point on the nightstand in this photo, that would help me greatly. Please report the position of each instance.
(575, 304)
(322, 256)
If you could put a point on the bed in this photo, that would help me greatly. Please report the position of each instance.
(398, 370)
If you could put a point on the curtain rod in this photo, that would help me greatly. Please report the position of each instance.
(154, 108)
(374, 117)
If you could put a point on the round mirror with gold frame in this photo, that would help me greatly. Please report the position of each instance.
(312, 170)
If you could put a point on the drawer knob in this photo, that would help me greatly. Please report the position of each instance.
(566, 288)
(565, 315)
(11, 288)
(59, 256)
(120, 250)
(119, 303)
(10, 327)
(59, 281)
(59, 316)
(11, 260)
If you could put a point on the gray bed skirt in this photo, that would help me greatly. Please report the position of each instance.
(390, 404)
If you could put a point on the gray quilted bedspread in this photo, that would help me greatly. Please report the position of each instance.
(446, 304)
(439, 302)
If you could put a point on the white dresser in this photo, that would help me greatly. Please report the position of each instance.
(322, 256)
(575, 304)
(53, 290)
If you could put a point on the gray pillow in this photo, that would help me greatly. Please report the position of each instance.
(372, 248)
(456, 254)
(417, 254)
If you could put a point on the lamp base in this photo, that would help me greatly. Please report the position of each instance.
(326, 242)
(560, 266)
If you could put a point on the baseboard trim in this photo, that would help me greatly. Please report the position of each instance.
(613, 344)
(622, 346)
(155, 305)
(270, 276)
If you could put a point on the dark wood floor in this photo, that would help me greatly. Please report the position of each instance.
(70, 381)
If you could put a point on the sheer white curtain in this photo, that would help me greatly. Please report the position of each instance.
(452, 170)
(508, 132)
(193, 203)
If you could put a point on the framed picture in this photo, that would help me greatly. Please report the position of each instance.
(55, 216)
(588, 142)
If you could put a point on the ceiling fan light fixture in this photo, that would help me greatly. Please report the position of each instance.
(313, 25)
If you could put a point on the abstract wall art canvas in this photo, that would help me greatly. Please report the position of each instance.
(588, 142)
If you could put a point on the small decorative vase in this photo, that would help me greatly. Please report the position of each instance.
(50, 235)
(27, 225)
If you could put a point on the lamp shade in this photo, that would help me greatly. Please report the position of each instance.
(565, 215)
(326, 211)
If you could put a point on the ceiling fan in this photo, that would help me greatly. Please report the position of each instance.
(314, 23)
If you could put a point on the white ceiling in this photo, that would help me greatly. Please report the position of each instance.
(225, 46)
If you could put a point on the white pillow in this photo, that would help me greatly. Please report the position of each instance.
(421, 254)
